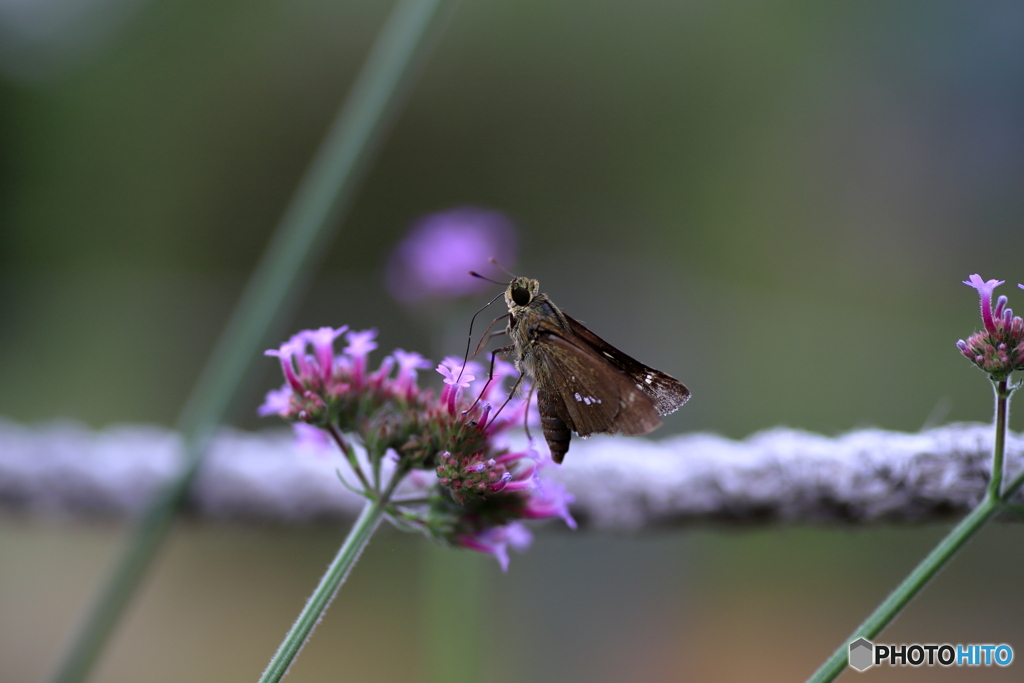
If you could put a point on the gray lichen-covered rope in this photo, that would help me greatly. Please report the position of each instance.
(620, 483)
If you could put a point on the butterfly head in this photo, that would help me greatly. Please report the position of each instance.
(521, 291)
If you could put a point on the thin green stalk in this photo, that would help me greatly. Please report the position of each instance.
(995, 484)
(1015, 508)
(410, 501)
(940, 555)
(325, 592)
(1008, 493)
(350, 455)
(306, 228)
(906, 591)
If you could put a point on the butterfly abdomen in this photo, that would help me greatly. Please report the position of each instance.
(556, 433)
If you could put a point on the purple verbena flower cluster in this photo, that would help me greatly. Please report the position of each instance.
(482, 487)
(487, 496)
(432, 261)
(998, 349)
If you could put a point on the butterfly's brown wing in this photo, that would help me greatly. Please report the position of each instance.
(584, 391)
(667, 393)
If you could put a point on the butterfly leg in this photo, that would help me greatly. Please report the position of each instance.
(510, 395)
(490, 377)
(526, 414)
(486, 336)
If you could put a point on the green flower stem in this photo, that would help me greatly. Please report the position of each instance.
(350, 455)
(1010, 490)
(906, 591)
(943, 552)
(411, 501)
(995, 484)
(324, 594)
(306, 228)
(1014, 508)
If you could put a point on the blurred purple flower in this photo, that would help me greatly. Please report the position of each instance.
(360, 344)
(408, 363)
(292, 353)
(550, 499)
(322, 341)
(496, 541)
(434, 259)
(278, 402)
(312, 439)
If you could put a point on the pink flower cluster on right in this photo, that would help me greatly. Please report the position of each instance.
(998, 349)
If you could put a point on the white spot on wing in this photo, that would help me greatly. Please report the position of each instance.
(577, 396)
(648, 379)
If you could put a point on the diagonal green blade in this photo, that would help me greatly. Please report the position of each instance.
(308, 225)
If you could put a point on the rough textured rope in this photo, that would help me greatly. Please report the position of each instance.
(66, 469)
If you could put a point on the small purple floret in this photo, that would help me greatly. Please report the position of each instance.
(551, 500)
(322, 341)
(455, 377)
(408, 363)
(985, 289)
(310, 438)
(276, 402)
(496, 541)
(291, 352)
(360, 343)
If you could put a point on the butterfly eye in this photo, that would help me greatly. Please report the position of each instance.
(520, 295)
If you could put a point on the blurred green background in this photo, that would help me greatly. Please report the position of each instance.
(775, 202)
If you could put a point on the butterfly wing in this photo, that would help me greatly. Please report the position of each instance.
(587, 392)
(667, 393)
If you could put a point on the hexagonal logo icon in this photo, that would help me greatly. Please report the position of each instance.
(861, 651)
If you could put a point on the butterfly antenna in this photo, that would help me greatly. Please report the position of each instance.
(494, 262)
(476, 274)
